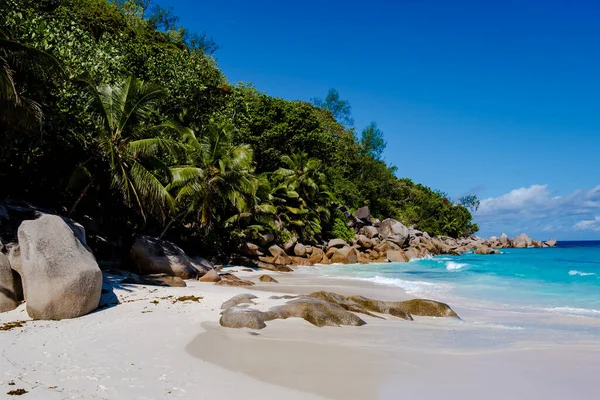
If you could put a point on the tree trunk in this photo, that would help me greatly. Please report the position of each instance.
(164, 231)
(80, 197)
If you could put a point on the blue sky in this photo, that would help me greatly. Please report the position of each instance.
(500, 98)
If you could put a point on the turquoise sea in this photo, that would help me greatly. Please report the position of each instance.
(562, 280)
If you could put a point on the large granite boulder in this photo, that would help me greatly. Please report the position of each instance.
(504, 240)
(550, 243)
(242, 317)
(522, 241)
(394, 231)
(317, 256)
(362, 304)
(317, 312)
(337, 243)
(363, 213)
(345, 255)
(364, 242)
(62, 278)
(482, 249)
(8, 292)
(251, 250)
(236, 283)
(211, 276)
(300, 250)
(154, 256)
(270, 266)
(412, 253)
(267, 278)
(427, 308)
(244, 298)
(369, 231)
(397, 256)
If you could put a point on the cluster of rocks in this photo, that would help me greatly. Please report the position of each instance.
(326, 309)
(47, 262)
(375, 241)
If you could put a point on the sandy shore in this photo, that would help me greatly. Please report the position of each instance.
(152, 347)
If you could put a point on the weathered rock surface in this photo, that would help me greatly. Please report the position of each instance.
(8, 291)
(62, 278)
(550, 243)
(364, 242)
(238, 283)
(427, 308)
(362, 304)
(277, 251)
(394, 231)
(522, 241)
(346, 255)
(484, 250)
(252, 250)
(317, 256)
(317, 312)
(274, 267)
(300, 250)
(245, 298)
(363, 214)
(153, 256)
(369, 231)
(412, 253)
(336, 243)
(267, 278)
(211, 276)
(241, 317)
(504, 240)
(327, 309)
(396, 256)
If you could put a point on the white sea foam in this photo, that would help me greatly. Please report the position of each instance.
(574, 311)
(427, 257)
(574, 272)
(498, 326)
(453, 266)
(411, 287)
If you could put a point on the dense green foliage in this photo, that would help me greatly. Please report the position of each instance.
(141, 131)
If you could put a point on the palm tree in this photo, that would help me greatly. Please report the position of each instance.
(18, 59)
(129, 145)
(218, 178)
(301, 194)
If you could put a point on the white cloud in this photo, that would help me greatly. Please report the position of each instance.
(538, 209)
(588, 225)
(539, 201)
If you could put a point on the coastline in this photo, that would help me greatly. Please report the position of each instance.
(141, 350)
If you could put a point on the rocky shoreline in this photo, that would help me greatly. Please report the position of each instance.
(375, 242)
(45, 260)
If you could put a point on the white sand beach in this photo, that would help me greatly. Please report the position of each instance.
(152, 347)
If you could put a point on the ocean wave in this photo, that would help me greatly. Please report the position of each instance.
(411, 287)
(498, 326)
(574, 272)
(573, 311)
(453, 266)
(427, 257)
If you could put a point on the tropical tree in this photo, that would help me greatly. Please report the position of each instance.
(217, 179)
(301, 194)
(18, 60)
(128, 146)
